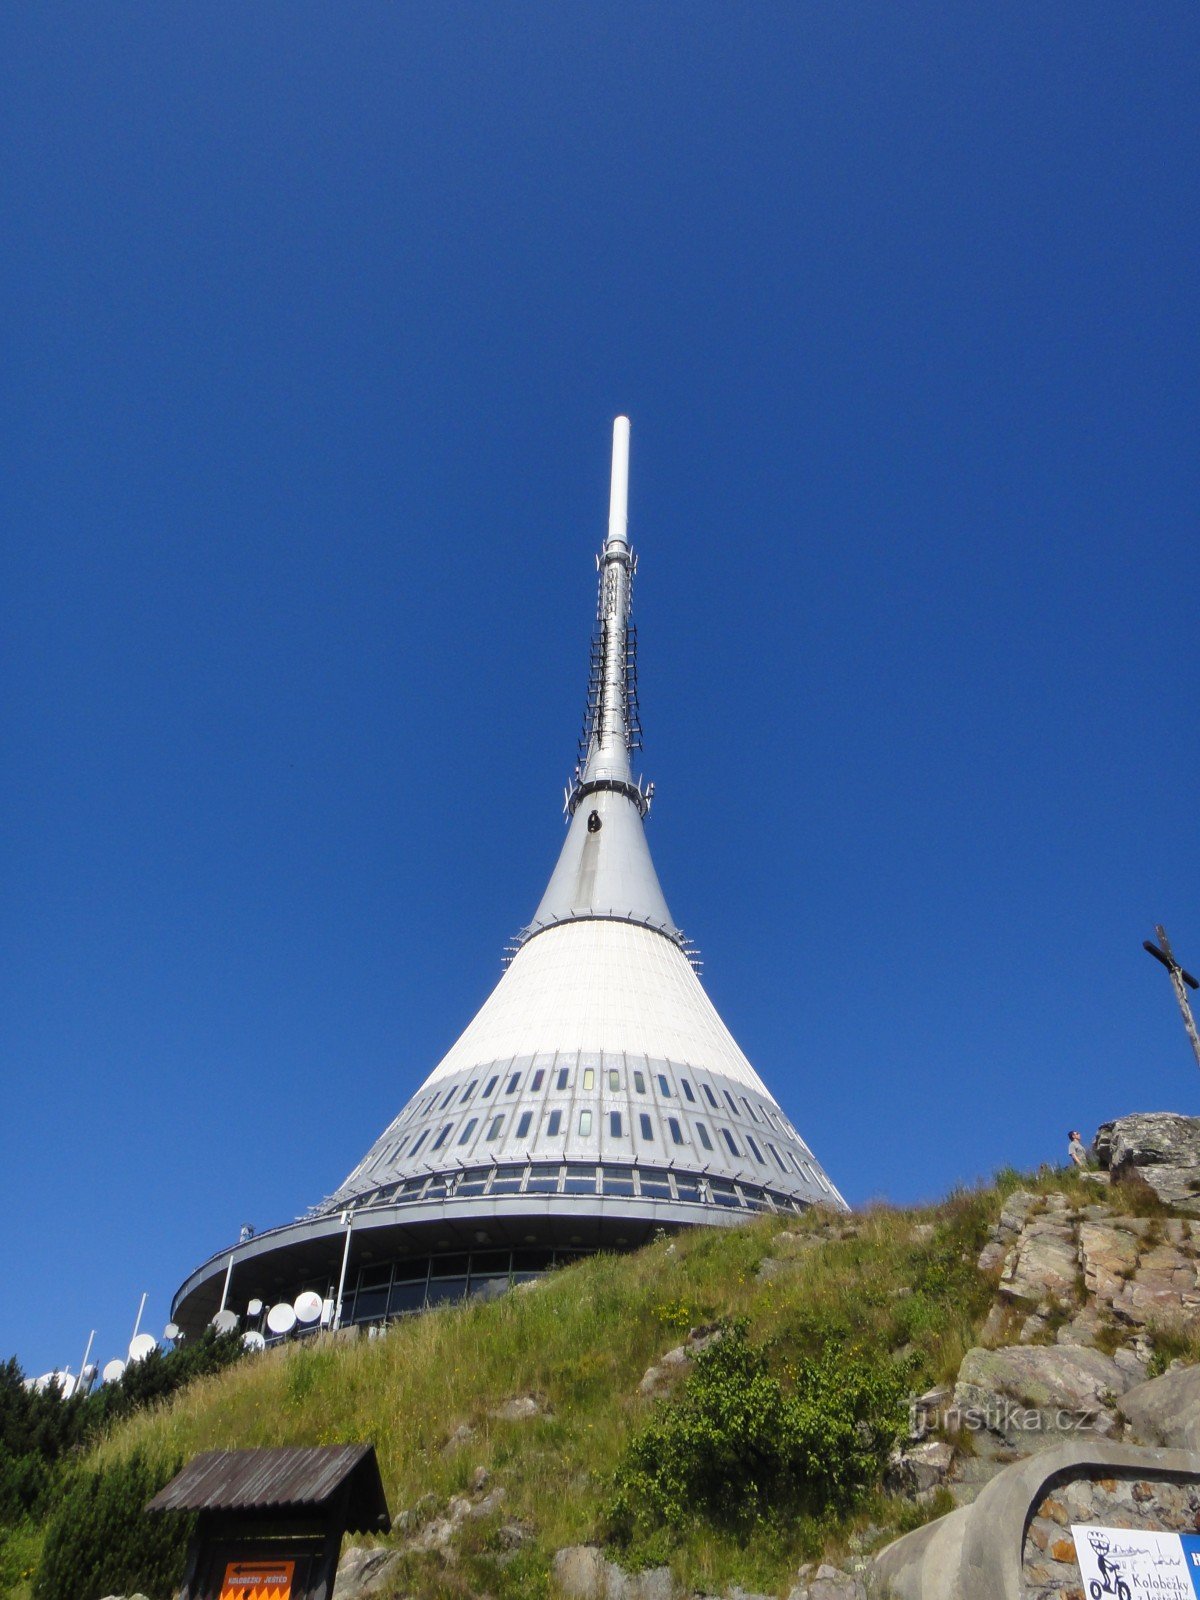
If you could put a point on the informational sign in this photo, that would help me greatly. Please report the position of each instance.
(258, 1580)
(1137, 1564)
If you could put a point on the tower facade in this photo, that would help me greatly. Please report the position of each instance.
(595, 1097)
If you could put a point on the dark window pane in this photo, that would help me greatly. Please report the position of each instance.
(614, 1124)
(646, 1126)
(687, 1090)
(448, 1267)
(406, 1297)
(538, 1079)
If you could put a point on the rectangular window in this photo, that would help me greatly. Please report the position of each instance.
(647, 1127)
(731, 1142)
(709, 1096)
(469, 1091)
(421, 1138)
(554, 1124)
(750, 1109)
(511, 1086)
(468, 1130)
(401, 1145)
(585, 1124)
(639, 1082)
(754, 1150)
(732, 1102)
(539, 1078)
(442, 1137)
(676, 1130)
(490, 1085)
(494, 1128)
(614, 1124)
(614, 1079)
(523, 1125)
(589, 1077)
(562, 1078)
(704, 1139)
(778, 1157)
(687, 1091)
(450, 1093)
(664, 1086)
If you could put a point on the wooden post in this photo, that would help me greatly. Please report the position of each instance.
(1181, 982)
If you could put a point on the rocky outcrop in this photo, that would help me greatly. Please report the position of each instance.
(582, 1573)
(1029, 1397)
(662, 1375)
(1068, 1272)
(1161, 1148)
(1165, 1411)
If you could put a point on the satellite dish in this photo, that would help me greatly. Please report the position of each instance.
(281, 1318)
(171, 1332)
(141, 1346)
(62, 1381)
(253, 1341)
(225, 1321)
(307, 1306)
(254, 1309)
(113, 1372)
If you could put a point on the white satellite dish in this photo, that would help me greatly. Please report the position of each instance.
(281, 1318)
(62, 1381)
(225, 1321)
(113, 1372)
(253, 1341)
(254, 1309)
(141, 1346)
(307, 1306)
(171, 1332)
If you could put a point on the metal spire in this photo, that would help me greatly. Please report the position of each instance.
(605, 869)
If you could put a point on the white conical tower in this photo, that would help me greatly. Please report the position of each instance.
(595, 1096)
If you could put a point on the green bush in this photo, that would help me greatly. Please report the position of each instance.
(100, 1540)
(737, 1448)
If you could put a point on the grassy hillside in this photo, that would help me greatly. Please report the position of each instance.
(901, 1286)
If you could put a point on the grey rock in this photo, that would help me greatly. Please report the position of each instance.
(362, 1572)
(462, 1435)
(919, 1468)
(519, 1409)
(830, 1583)
(1165, 1411)
(580, 1572)
(1028, 1397)
(1160, 1147)
(1044, 1264)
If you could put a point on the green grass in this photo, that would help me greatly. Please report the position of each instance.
(900, 1285)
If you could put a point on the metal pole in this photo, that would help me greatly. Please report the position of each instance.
(86, 1354)
(348, 1219)
(225, 1290)
(138, 1323)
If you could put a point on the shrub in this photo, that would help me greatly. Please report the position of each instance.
(737, 1448)
(100, 1540)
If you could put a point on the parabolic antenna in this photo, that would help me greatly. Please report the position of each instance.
(254, 1309)
(171, 1332)
(307, 1306)
(281, 1318)
(225, 1321)
(141, 1347)
(62, 1381)
(113, 1372)
(253, 1341)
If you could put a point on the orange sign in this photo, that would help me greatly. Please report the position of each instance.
(258, 1580)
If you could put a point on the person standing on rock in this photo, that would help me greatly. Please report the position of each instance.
(1075, 1149)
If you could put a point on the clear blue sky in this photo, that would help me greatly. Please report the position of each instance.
(316, 318)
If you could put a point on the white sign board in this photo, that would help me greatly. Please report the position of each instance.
(1137, 1564)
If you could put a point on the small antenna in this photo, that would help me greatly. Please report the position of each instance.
(281, 1318)
(307, 1307)
(140, 1346)
(113, 1372)
(225, 1321)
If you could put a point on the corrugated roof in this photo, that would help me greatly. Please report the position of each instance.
(292, 1478)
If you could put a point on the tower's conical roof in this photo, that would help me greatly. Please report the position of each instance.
(595, 1096)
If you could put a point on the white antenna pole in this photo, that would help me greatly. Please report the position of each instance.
(348, 1217)
(225, 1290)
(86, 1354)
(618, 494)
(138, 1323)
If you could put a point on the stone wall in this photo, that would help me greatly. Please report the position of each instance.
(1050, 1571)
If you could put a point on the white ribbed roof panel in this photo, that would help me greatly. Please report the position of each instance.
(602, 985)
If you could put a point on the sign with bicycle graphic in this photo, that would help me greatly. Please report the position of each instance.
(1137, 1563)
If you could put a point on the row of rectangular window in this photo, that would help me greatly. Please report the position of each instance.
(562, 1077)
(557, 1177)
